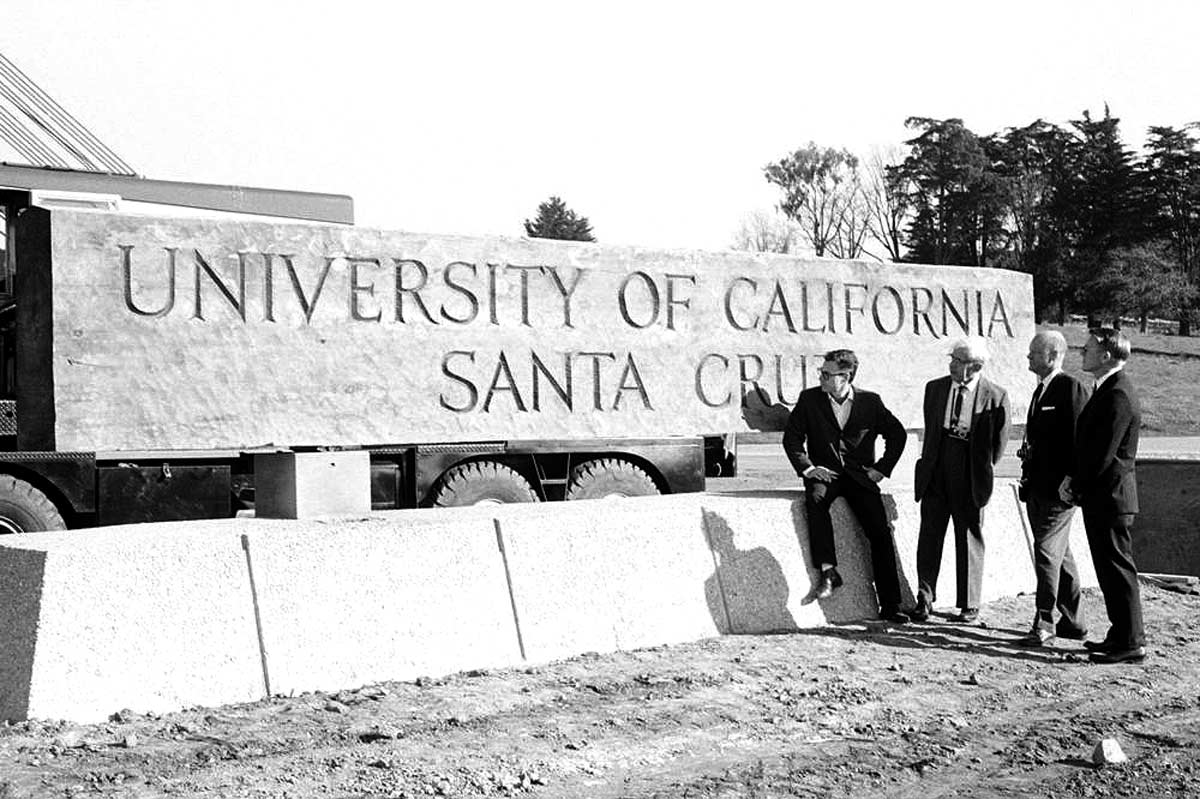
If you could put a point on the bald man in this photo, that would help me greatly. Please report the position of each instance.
(966, 430)
(1047, 455)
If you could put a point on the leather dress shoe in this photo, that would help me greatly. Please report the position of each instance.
(1135, 655)
(895, 616)
(967, 616)
(920, 611)
(1097, 646)
(1038, 636)
(830, 580)
(1071, 633)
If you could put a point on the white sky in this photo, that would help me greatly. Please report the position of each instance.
(654, 120)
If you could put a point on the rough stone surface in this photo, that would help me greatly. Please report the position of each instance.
(760, 543)
(1164, 532)
(1108, 751)
(602, 575)
(149, 617)
(351, 602)
(159, 616)
(309, 334)
(1008, 554)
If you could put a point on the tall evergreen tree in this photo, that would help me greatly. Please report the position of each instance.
(1100, 200)
(556, 221)
(1138, 280)
(1171, 171)
(956, 196)
(1104, 192)
(1032, 162)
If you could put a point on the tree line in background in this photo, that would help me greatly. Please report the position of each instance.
(1103, 231)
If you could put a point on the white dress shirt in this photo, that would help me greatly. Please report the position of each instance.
(841, 411)
(968, 404)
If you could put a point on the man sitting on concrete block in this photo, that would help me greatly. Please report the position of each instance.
(830, 440)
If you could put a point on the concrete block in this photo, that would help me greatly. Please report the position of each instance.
(1082, 553)
(305, 485)
(1080, 550)
(1007, 565)
(602, 575)
(1164, 532)
(760, 541)
(350, 602)
(148, 617)
(1008, 554)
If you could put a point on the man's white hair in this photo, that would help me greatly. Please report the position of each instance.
(972, 348)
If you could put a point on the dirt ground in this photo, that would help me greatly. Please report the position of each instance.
(933, 709)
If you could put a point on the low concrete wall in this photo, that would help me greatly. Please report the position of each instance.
(150, 617)
(353, 602)
(163, 616)
(603, 575)
(1167, 530)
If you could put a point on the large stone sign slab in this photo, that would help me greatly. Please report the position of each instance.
(148, 332)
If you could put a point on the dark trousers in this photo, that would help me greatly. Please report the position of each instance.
(867, 506)
(1053, 564)
(949, 499)
(1112, 555)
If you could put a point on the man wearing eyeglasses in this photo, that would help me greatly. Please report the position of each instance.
(830, 440)
(966, 429)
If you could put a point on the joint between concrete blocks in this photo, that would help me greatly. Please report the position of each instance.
(258, 625)
(512, 597)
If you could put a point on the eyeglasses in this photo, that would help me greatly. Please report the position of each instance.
(830, 375)
(966, 361)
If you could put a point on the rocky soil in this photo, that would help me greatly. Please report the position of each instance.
(925, 710)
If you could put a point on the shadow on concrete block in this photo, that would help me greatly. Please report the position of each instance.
(21, 575)
(761, 538)
(748, 590)
(147, 617)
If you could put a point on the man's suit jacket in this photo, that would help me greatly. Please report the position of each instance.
(1106, 443)
(1050, 435)
(987, 438)
(812, 436)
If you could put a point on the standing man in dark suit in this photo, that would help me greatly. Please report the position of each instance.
(1104, 484)
(966, 429)
(1047, 455)
(830, 440)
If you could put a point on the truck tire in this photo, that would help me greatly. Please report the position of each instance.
(24, 509)
(609, 477)
(481, 483)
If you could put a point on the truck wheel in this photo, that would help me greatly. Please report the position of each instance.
(481, 483)
(609, 477)
(24, 509)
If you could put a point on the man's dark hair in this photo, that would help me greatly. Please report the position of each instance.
(1113, 342)
(845, 359)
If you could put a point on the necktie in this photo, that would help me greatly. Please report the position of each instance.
(1037, 395)
(956, 406)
